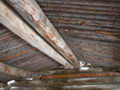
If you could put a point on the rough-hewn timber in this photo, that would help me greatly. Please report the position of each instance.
(12, 21)
(34, 15)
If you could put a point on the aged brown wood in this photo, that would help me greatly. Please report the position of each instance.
(34, 15)
(17, 72)
(91, 28)
(16, 24)
(93, 37)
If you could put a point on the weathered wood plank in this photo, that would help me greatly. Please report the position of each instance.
(34, 15)
(16, 24)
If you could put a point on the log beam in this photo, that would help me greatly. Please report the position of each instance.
(16, 24)
(33, 14)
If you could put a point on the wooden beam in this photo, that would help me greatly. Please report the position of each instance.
(16, 24)
(17, 72)
(33, 14)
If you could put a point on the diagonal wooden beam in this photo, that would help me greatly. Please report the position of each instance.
(33, 14)
(16, 24)
(8, 69)
(17, 72)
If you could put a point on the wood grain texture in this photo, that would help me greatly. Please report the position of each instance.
(17, 25)
(94, 35)
(33, 14)
(91, 28)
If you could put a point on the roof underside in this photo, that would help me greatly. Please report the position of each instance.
(90, 27)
